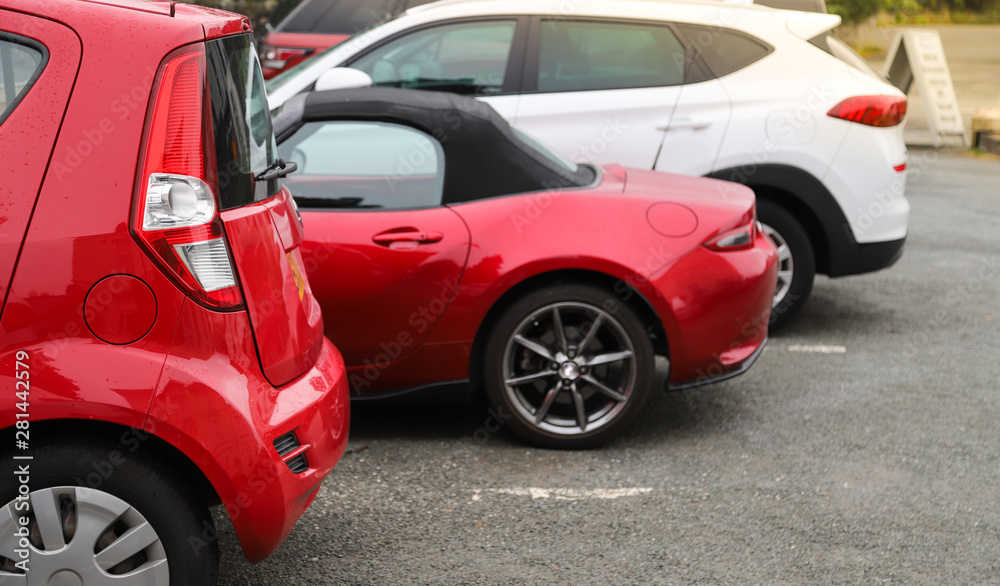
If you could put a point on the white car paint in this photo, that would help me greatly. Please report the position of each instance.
(773, 111)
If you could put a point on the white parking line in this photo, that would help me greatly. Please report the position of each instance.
(819, 349)
(566, 494)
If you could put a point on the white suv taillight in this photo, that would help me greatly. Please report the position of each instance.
(176, 213)
(881, 111)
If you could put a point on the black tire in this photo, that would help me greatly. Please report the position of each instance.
(619, 331)
(791, 295)
(112, 473)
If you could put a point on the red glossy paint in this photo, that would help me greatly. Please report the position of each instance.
(111, 338)
(713, 306)
(120, 309)
(406, 282)
(281, 51)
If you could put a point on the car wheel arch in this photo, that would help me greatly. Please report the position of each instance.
(636, 300)
(172, 458)
(804, 196)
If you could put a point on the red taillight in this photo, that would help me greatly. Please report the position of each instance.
(879, 111)
(899, 168)
(277, 57)
(175, 216)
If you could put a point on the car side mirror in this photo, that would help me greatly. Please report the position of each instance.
(342, 78)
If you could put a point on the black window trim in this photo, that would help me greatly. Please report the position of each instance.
(515, 62)
(33, 44)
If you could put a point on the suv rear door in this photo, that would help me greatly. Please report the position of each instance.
(601, 91)
(38, 65)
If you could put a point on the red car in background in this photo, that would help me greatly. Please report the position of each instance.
(161, 350)
(448, 248)
(299, 29)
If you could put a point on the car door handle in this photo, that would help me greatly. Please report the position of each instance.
(401, 235)
(686, 122)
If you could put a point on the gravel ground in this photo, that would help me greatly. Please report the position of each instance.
(876, 464)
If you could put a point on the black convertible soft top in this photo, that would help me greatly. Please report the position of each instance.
(485, 158)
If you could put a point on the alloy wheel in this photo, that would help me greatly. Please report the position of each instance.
(786, 265)
(569, 368)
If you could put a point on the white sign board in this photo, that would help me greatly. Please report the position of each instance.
(917, 55)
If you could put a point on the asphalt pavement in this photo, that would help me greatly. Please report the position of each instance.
(863, 447)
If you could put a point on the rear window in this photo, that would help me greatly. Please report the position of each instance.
(21, 62)
(244, 137)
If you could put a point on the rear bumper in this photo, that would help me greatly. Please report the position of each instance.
(214, 404)
(722, 315)
(866, 258)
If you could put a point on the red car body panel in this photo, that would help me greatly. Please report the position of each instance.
(410, 283)
(713, 306)
(285, 316)
(219, 409)
(312, 42)
(194, 377)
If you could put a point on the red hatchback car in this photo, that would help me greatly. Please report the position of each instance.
(448, 248)
(161, 350)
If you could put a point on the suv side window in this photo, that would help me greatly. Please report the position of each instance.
(463, 58)
(725, 50)
(21, 62)
(364, 165)
(586, 55)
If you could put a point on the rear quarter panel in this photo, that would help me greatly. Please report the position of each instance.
(602, 230)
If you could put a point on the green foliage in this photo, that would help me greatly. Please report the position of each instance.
(854, 11)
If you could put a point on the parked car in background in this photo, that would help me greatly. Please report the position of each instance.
(701, 88)
(448, 248)
(161, 350)
(299, 29)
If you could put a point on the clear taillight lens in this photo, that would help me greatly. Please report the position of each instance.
(177, 201)
(878, 111)
(176, 217)
(739, 239)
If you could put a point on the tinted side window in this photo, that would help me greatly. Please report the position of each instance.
(344, 17)
(583, 55)
(21, 62)
(465, 58)
(725, 50)
(364, 165)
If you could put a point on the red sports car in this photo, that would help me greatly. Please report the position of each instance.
(446, 247)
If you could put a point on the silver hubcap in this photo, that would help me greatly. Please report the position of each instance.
(569, 368)
(78, 535)
(786, 267)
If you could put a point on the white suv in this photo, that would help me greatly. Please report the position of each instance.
(745, 93)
